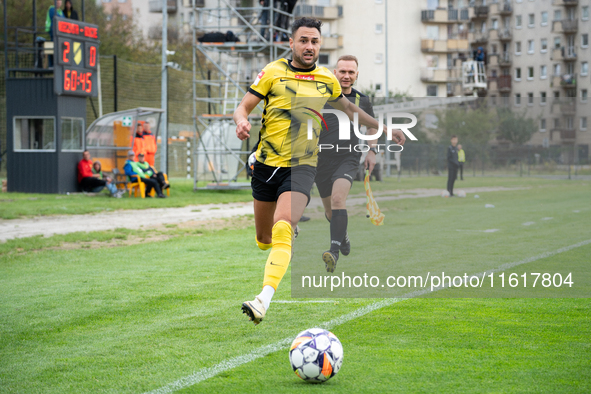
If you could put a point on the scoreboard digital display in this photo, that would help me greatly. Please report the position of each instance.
(76, 58)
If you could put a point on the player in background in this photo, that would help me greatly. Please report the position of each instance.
(338, 162)
(452, 165)
(282, 176)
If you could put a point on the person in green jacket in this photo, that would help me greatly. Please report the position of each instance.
(151, 172)
(133, 168)
(51, 13)
(461, 160)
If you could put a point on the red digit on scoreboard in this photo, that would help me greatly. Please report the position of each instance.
(74, 81)
(66, 79)
(88, 82)
(66, 50)
(92, 57)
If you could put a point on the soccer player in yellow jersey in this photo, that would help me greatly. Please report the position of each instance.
(285, 166)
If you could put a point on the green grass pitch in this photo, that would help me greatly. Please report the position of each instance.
(135, 318)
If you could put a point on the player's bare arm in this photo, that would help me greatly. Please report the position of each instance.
(366, 120)
(246, 106)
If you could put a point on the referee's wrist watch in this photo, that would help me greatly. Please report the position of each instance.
(374, 150)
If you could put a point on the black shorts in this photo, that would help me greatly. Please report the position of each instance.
(332, 168)
(268, 183)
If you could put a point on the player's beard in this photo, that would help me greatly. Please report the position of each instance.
(302, 61)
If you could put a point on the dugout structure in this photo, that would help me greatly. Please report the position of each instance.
(110, 137)
(237, 38)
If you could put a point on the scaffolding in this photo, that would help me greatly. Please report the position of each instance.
(254, 35)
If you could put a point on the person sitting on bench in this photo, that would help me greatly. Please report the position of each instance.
(91, 182)
(132, 167)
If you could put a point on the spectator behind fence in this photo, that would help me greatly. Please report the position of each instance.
(461, 161)
(51, 12)
(138, 141)
(90, 181)
(150, 145)
(264, 18)
(132, 167)
(152, 173)
(69, 11)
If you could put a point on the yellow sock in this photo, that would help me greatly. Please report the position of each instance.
(280, 255)
(261, 245)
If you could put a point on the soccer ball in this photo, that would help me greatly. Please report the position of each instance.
(461, 193)
(316, 355)
(445, 194)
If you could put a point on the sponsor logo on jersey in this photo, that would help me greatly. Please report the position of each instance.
(256, 81)
(305, 77)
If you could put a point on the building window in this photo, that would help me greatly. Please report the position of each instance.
(324, 59)
(378, 87)
(543, 72)
(518, 47)
(379, 58)
(518, 74)
(557, 43)
(544, 18)
(584, 95)
(531, 20)
(557, 70)
(530, 47)
(530, 99)
(72, 134)
(518, 21)
(530, 73)
(584, 68)
(495, 24)
(585, 13)
(556, 123)
(556, 94)
(584, 40)
(379, 28)
(517, 98)
(34, 134)
(122, 1)
(542, 125)
(557, 15)
(584, 123)
(431, 90)
(544, 45)
(542, 98)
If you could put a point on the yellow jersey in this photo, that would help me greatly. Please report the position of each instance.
(290, 93)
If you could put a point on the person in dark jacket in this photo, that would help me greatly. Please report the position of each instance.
(69, 11)
(132, 167)
(452, 165)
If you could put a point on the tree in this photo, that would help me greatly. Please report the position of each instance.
(474, 124)
(515, 127)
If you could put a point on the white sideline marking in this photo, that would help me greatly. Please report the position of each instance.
(547, 218)
(262, 351)
(492, 230)
(528, 223)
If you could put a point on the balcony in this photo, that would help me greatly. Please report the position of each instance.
(504, 83)
(465, 14)
(443, 46)
(440, 16)
(478, 37)
(505, 59)
(565, 26)
(567, 54)
(189, 3)
(156, 6)
(565, 3)
(441, 75)
(506, 9)
(505, 34)
(568, 106)
(480, 12)
(568, 135)
(317, 11)
(567, 81)
(332, 42)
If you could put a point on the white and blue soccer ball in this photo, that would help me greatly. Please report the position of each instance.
(316, 355)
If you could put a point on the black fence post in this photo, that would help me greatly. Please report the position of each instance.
(115, 104)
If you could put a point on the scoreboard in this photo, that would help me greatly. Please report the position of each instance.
(76, 58)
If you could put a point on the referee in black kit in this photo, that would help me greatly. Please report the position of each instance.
(338, 163)
(452, 165)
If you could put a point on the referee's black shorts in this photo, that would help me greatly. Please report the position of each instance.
(331, 168)
(268, 183)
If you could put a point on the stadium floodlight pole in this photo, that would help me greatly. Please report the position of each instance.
(386, 54)
(164, 91)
